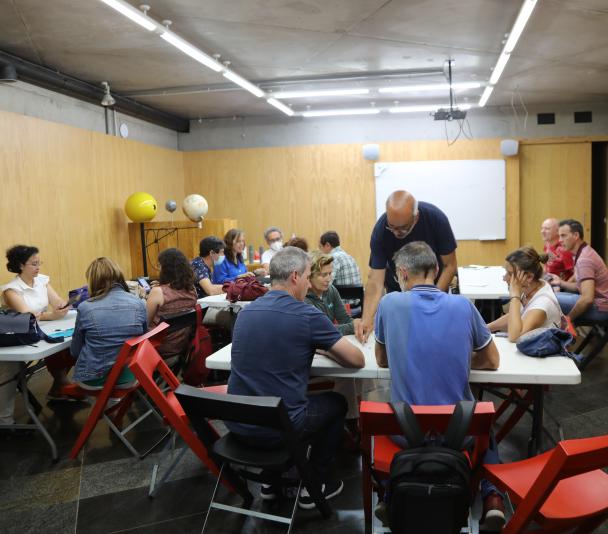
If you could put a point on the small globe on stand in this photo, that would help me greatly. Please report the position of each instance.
(195, 207)
(141, 207)
(170, 206)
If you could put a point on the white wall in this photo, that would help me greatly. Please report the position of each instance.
(27, 99)
(484, 123)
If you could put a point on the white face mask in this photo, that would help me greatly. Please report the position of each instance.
(276, 245)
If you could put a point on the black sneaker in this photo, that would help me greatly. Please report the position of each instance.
(330, 490)
(269, 492)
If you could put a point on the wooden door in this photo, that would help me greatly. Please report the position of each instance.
(555, 181)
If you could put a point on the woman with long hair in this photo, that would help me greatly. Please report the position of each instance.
(103, 323)
(233, 266)
(174, 294)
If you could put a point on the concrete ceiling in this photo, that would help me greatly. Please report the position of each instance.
(561, 58)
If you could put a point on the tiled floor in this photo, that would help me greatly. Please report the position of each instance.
(105, 490)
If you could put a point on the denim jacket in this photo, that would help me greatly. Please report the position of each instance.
(102, 326)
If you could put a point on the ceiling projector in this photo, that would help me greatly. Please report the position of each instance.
(449, 114)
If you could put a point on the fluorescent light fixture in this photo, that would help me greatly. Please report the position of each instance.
(245, 84)
(132, 13)
(324, 92)
(337, 112)
(191, 50)
(433, 107)
(486, 94)
(280, 106)
(430, 87)
(520, 23)
(499, 68)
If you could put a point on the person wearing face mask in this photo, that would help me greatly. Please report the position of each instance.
(406, 220)
(233, 266)
(211, 250)
(274, 239)
(532, 302)
(211, 254)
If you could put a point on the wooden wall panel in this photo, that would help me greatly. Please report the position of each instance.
(310, 189)
(64, 188)
(555, 182)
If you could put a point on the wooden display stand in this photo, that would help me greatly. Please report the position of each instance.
(155, 236)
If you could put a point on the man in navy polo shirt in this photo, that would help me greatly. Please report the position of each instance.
(430, 340)
(406, 220)
(273, 344)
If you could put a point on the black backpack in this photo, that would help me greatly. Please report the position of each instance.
(21, 329)
(430, 482)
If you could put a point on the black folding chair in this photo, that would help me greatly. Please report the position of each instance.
(597, 334)
(352, 293)
(240, 462)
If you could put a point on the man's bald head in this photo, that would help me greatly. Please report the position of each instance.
(401, 212)
(549, 230)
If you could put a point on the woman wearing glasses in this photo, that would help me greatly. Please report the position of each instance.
(31, 292)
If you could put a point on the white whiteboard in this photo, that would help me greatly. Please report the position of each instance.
(470, 192)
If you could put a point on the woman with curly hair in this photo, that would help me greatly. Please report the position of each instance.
(175, 294)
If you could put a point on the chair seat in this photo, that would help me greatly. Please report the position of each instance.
(384, 450)
(231, 449)
(573, 498)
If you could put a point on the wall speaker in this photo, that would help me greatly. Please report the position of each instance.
(371, 152)
(509, 147)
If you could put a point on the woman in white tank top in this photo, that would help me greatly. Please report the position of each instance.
(532, 303)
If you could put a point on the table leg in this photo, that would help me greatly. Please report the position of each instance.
(536, 439)
(25, 393)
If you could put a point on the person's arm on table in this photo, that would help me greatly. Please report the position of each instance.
(585, 300)
(373, 293)
(487, 358)
(346, 354)
(210, 288)
(16, 302)
(381, 357)
(450, 267)
(500, 324)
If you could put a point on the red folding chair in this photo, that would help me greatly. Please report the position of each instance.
(114, 414)
(560, 490)
(378, 422)
(147, 365)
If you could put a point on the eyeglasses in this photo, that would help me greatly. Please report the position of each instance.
(275, 240)
(35, 263)
(402, 231)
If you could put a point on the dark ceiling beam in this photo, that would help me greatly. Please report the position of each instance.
(293, 82)
(68, 85)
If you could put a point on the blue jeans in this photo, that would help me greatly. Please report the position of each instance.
(568, 300)
(322, 428)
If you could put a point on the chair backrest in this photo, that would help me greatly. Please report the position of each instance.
(182, 320)
(155, 336)
(378, 419)
(145, 362)
(580, 455)
(351, 293)
(268, 412)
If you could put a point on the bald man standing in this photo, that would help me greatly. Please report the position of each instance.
(561, 261)
(406, 220)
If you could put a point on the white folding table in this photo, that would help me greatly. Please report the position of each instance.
(26, 355)
(516, 369)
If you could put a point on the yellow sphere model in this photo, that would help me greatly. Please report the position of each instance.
(141, 207)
